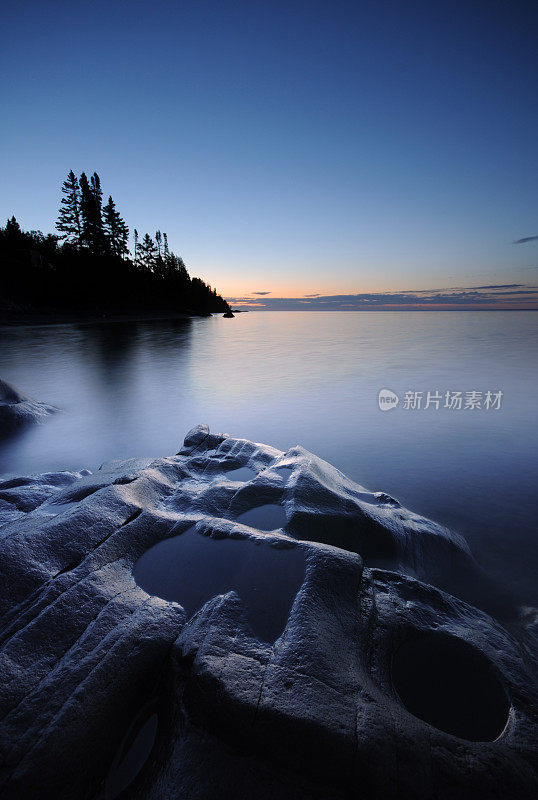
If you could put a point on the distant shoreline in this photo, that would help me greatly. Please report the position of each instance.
(407, 309)
(12, 319)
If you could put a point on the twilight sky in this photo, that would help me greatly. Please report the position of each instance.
(289, 148)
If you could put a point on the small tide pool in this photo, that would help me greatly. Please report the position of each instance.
(192, 568)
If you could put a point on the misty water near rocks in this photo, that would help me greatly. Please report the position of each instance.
(134, 389)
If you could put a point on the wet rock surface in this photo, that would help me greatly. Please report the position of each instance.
(393, 676)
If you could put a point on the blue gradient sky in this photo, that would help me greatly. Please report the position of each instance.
(294, 147)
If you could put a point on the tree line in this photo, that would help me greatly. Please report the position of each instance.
(88, 265)
(84, 223)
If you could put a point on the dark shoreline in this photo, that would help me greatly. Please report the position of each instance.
(21, 319)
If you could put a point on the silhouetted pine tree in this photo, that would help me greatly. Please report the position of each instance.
(39, 273)
(86, 210)
(99, 234)
(180, 270)
(13, 229)
(69, 221)
(160, 265)
(90, 206)
(136, 248)
(116, 231)
(148, 252)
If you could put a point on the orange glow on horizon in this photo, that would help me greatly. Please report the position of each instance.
(410, 301)
(289, 292)
(401, 307)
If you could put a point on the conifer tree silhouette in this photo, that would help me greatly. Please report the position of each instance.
(92, 223)
(115, 229)
(148, 252)
(92, 249)
(136, 249)
(69, 216)
(86, 210)
(13, 229)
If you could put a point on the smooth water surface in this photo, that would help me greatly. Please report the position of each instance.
(268, 517)
(284, 378)
(192, 568)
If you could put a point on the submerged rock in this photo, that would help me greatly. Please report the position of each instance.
(386, 679)
(17, 409)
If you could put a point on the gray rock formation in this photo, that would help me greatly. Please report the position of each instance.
(17, 409)
(384, 682)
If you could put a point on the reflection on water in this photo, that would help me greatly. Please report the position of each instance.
(269, 517)
(192, 568)
(134, 389)
(241, 474)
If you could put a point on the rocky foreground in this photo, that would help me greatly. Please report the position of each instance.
(392, 677)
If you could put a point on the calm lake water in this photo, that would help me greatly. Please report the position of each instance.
(284, 378)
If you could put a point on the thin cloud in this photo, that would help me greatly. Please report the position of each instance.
(461, 288)
(262, 294)
(505, 296)
(498, 286)
(312, 295)
(526, 239)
